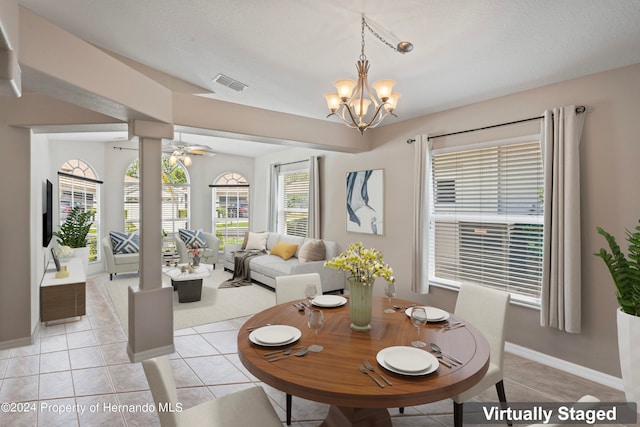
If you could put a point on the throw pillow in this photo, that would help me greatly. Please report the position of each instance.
(124, 243)
(312, 250)
(256, 241)
(192, 237)
(284, 250)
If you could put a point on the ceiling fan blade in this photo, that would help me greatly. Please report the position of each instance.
(200, 152)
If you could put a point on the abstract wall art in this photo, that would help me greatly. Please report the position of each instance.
(365, 201)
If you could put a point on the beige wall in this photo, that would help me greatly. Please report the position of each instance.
(16, 235)
(609, 198)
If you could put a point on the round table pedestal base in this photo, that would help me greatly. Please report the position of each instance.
(340, 416)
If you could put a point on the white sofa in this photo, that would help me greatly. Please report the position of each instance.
(118, 263)
(208, 256)
(266, 268)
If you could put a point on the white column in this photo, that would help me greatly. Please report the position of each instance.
(150, 305)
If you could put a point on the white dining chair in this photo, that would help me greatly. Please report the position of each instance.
(244, 408)
(486, 310)
(291, 288)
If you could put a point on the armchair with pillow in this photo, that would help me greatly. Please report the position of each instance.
(208, 244)
(121, 252)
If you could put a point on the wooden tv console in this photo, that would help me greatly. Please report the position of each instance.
(63, 298)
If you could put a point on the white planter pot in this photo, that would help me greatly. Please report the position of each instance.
(83, 254)
(629, 348)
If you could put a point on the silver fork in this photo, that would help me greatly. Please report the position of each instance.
(372, 369)
(364, 371)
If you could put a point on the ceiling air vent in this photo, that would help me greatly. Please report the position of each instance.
(229, 82)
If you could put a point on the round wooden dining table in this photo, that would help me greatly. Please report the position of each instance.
(332, 376)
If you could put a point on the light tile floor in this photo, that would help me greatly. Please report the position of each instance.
(84, 364)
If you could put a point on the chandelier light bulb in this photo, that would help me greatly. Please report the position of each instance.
(187, 161)
(345, 87)
(365, 106)
(383, 88)
(173, 160)
(333, 101)
(392, 102)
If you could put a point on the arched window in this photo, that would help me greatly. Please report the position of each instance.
(78, 186)
(230, 195)
(175, 197)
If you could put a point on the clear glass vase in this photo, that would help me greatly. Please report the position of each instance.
(360, 303)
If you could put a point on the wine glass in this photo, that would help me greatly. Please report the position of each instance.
(315, 320)
(390, 292)
(419, 318)
(310, 292)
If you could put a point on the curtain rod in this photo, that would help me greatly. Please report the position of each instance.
(579, 110)
(292, 163)
(81, 178)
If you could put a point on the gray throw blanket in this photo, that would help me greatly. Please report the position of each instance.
(241, 271)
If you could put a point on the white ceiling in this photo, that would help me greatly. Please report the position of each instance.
(289, 52)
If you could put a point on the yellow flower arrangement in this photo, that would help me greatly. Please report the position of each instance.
(364, 264)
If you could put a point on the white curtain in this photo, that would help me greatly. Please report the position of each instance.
(273, 198)
(313, 224)
(421, 210)
(561, 282)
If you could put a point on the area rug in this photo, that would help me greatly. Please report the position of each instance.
(215, 305)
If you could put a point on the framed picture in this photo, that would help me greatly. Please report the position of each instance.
(56, 261)
(365, 201)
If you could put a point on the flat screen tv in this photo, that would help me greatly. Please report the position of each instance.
(47, 216)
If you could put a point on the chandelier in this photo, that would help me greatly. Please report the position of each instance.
(352, 101)
(180, 155)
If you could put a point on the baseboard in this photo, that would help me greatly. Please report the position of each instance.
(563, 365)
(148, 354)
(21, 342)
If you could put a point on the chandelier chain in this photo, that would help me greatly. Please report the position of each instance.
(378, 36)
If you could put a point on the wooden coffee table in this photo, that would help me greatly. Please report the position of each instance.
(188, 285)
(332, 376)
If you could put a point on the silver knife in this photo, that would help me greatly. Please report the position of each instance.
(448, 356)
(445, 363)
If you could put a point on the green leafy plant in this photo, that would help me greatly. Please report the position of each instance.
(624, 270)
(73, 232)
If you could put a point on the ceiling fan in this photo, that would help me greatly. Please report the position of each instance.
(180, 151)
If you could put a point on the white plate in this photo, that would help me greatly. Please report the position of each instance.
(403, 356)
(275, 335)
(433, 314)
(329, 301)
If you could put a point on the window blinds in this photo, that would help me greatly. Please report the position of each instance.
(74, 190)
(487, 218)
(293, 199)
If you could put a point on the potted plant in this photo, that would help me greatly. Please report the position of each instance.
(625, 271)
(73, 232)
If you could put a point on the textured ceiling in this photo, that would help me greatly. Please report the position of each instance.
(289, 52)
